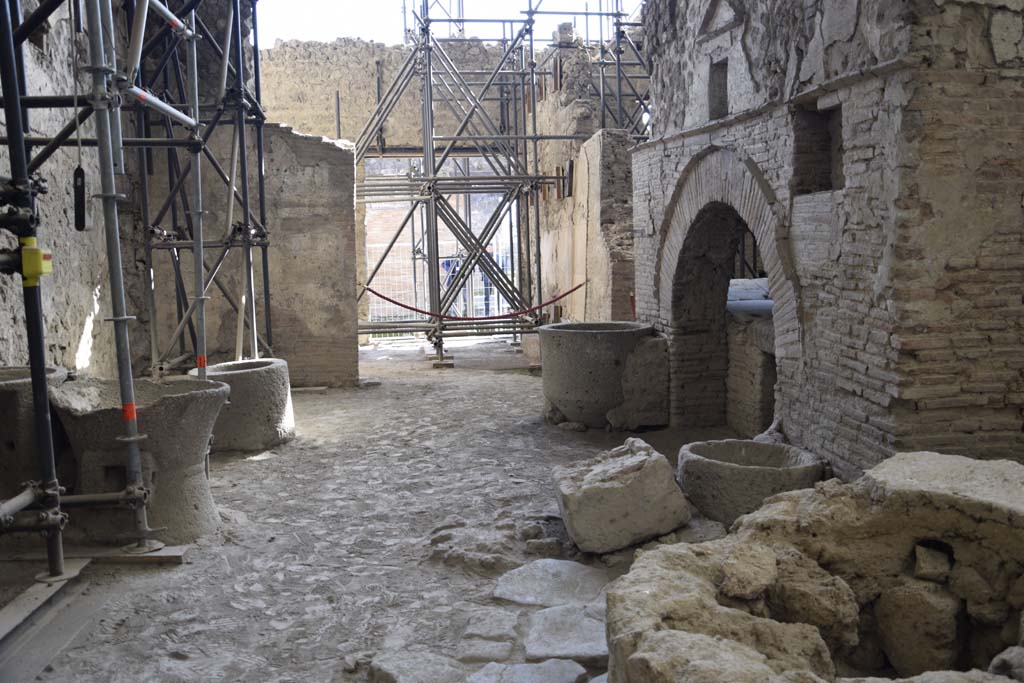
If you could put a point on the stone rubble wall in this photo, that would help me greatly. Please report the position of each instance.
(311, 221)
(587, 236)
(300, 79)
(860, 260)
(76, 297)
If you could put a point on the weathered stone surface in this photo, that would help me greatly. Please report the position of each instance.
(676, 587)
(415, 667)
(930, 564)
(748, 571)
(672, 656)
(844, 557)
(918, 624)
(551, 671)
(804, 593)
(620, 498)
(644, 387)
(552, 582)
(492, 624)
(566, 632)
(478, 650)
(1009, 663)
(486, 551)
(936, 677)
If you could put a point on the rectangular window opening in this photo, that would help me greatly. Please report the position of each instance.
(718, 90)
(817, 150)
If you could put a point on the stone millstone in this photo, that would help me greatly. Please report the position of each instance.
(176, 418)
(260, 415)
(551, 671)
(552, 582)
(621, 498)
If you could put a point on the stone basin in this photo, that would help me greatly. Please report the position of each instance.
(177, 419)
(260, 414)
(584, 365)
(18, 462)
(730, 478)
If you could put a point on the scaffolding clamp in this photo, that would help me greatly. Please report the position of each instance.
(35, 262)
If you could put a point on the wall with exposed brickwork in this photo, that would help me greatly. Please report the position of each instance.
(896, 319)
(751, 378)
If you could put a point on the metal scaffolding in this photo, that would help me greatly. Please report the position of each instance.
(163, 107)
(496, 111)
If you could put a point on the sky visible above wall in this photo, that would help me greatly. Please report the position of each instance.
(382, 20)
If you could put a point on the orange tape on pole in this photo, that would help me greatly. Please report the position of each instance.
(128, 412)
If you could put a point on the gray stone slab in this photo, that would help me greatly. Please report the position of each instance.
(415, 667)
(477, 650)
(551, 671)
(566, 632)
(551, 582)
(492, 624)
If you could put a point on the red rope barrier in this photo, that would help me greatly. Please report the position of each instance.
(506, 316)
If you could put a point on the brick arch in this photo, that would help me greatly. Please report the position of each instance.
(718, 186)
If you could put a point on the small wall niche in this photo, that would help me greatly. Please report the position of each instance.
(817, 150)
(718, 90)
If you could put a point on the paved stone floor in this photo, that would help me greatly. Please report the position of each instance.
(380, 529)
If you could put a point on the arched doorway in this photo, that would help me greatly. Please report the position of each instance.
(722, 207)
(721, 372)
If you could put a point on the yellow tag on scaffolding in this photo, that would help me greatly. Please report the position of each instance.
(34, 262)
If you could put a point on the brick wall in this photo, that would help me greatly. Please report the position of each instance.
(897, 304)
(750, 383)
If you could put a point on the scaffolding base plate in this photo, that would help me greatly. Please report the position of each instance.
(171, 554)
(17, 611)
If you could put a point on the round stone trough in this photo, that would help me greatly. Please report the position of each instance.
(583, 365)
(260, 414)
(730, 478)
(177, 419)
(18, 462)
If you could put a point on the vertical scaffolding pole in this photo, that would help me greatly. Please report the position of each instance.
(100, 76)
(261, 183)
(34, 328)
(243, 158)
(198, 255)
(430, 222)
(535, 189)
(618, 68)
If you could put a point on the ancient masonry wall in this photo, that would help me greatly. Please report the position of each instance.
(586, 234)
(750, 382)
(958, 248)
(300, 79)
(826, 308)
(895, 297)
(76, 298)
(311, 220)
